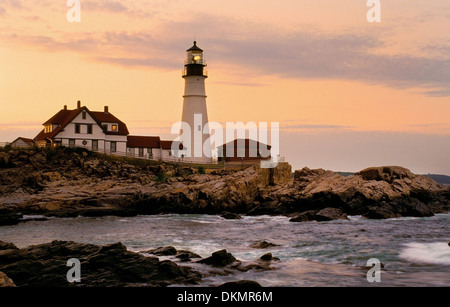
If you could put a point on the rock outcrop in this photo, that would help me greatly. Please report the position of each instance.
(381, 192)
(73, 182)
(5, 281)
(111, 265)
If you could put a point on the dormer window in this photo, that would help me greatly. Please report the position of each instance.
(48, 128)
(114, 128)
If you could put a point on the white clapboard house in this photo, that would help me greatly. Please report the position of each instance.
(100, 132)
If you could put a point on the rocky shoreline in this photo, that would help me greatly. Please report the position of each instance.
(45, 265)
(73, 182)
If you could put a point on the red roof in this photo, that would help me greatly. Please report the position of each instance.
(106, 117)
(248, 143)
(64, 117)
(134, 141)
(26, 140)
(168, 145)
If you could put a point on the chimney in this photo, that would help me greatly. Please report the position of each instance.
(65, 107)
(106, 109)
(78, 104)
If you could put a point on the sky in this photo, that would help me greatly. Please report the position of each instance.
(348, 94)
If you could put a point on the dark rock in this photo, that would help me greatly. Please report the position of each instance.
(268, 257)
(219, 258)
(184, 255)
(10, 218)
(6, 245)
(263, 244)
(329, 214)
(112, 265)
(231, 216)
(241, 284)
(163, 251)
(5, 281)
(304, 216)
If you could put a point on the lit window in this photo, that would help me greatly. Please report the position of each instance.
(48, 128)
(114, 127)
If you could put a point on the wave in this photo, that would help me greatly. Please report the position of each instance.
(434, 253)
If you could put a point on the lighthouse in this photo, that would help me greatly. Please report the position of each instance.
(194, 134)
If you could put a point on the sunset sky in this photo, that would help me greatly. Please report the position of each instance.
(348, 94)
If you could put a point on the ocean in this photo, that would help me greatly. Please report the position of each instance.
(412, 251)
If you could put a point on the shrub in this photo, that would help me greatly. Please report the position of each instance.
(50, 154)
(161, 177)
(201, 170)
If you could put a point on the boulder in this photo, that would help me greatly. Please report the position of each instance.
(219, 258)
(185, 255)
(231, 216)
(329, 214)
(163, 251)
(304, 216)
(5, 281)
(262, 244)
(268, 257)
(10, 218)
(385, 173)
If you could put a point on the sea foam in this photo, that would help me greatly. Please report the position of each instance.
(434, 253)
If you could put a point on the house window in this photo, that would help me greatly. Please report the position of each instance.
(141, 152)
(114, 127)
(77, 128)
(89, 129)
(113, 147)
(94, 145)
(105, 127)
(71, 143)
(83, 115)
(48, 128)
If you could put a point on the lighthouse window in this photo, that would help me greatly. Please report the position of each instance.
(199, 128)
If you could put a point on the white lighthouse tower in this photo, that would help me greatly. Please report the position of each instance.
(195, 138)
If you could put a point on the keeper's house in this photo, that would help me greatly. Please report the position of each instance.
(100, 132)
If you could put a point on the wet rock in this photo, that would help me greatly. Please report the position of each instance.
(329, 214)
(240, 284)
(163, 251)
(231, 216)
(304, 216)
(219, 258)
(10, 218)
(112, 265)
(268, 257)
(263, 244)
(185, 255)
